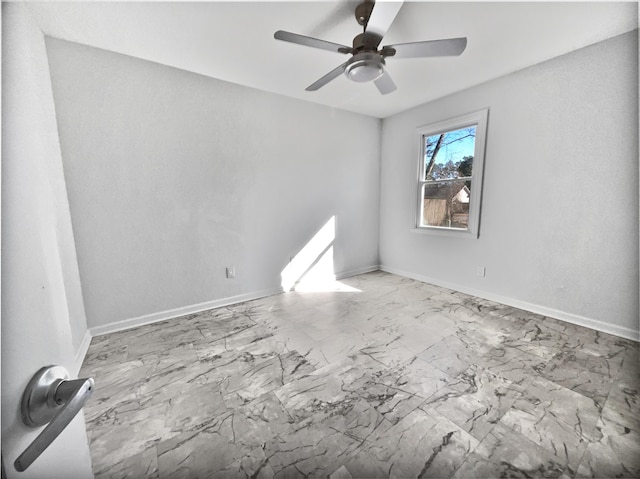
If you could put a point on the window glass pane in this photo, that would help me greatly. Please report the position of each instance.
(449, 154)
(446, 204)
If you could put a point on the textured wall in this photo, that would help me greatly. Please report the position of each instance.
(173, 176)
(558, 228)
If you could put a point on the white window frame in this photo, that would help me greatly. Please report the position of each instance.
(479, 120)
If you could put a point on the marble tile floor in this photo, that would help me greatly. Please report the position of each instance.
(388, 377)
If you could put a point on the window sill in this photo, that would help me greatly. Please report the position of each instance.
(449, 232)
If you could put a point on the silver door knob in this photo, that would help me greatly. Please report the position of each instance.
(50, 397)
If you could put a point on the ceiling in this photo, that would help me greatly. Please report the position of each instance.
(233, 41)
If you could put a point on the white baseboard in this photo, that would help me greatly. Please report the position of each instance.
(598, 325)
(82, 352)
(174, 313)
(616, 330)
(196, 308)
(357, 271)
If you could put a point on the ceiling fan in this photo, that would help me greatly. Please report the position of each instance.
(368, 62)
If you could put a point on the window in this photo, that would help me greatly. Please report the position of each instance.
(450, 176)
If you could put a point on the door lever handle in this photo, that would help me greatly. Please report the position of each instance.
(50, 397)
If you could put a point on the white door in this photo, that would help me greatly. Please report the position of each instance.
(37, 266)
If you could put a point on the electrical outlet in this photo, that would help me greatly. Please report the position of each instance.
(482, 271)
(231, 272)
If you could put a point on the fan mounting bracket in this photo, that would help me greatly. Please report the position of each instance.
(363, 12)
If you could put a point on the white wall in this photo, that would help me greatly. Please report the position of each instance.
(43, 319)
(559, 221)
(173, 176)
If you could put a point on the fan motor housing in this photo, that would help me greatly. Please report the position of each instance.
(359, 45)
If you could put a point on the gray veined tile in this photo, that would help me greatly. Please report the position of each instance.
(199, 453)
(216, 324)
(480, 340)
(490, 309)
(158, 344)
(210, 349)
(393, 378)
(416, 337)
(392, 404)
(585, 340)
(436, 323)
(261, 421)
(386, 389)
(413, 375)
(296, 339)
(616, 453)
(256, 339)
(516, 314)
(486, 331)
(114, 385)
(450, 355)
(538, 339)
(250, 310)
(258, 377)
(593, 342)
(423, 444)
(253, 465)
(517, 366)
(140, 466)
(390, 351)
(326, 385)
(262, 377)
(355, 418)
(310, 451)
(220, 367)
(168, 358)
(412, 291)
(333, 349)
(588, 375)
(103, 354)
(623, 403)
(486, 307)
(476, 400)
(292, 309)
(417, 376)
(554, 436)
(193, 407)
(164, 384)
(229, 444)
(341, 473)
(630, 363)
(294, 365)
(505, 453)
(327, 398)
(126, 431)
(374, 328)
(556, 419)
(132, 337)
(466, 311)
(321, 328)
(546, 398)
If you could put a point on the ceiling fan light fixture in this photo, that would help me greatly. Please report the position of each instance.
(368, 61)
(364, 67)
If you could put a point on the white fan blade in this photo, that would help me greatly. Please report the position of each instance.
(432, 48)
(382, 16)
(385, 83)
(311, 42)
(335, 73)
